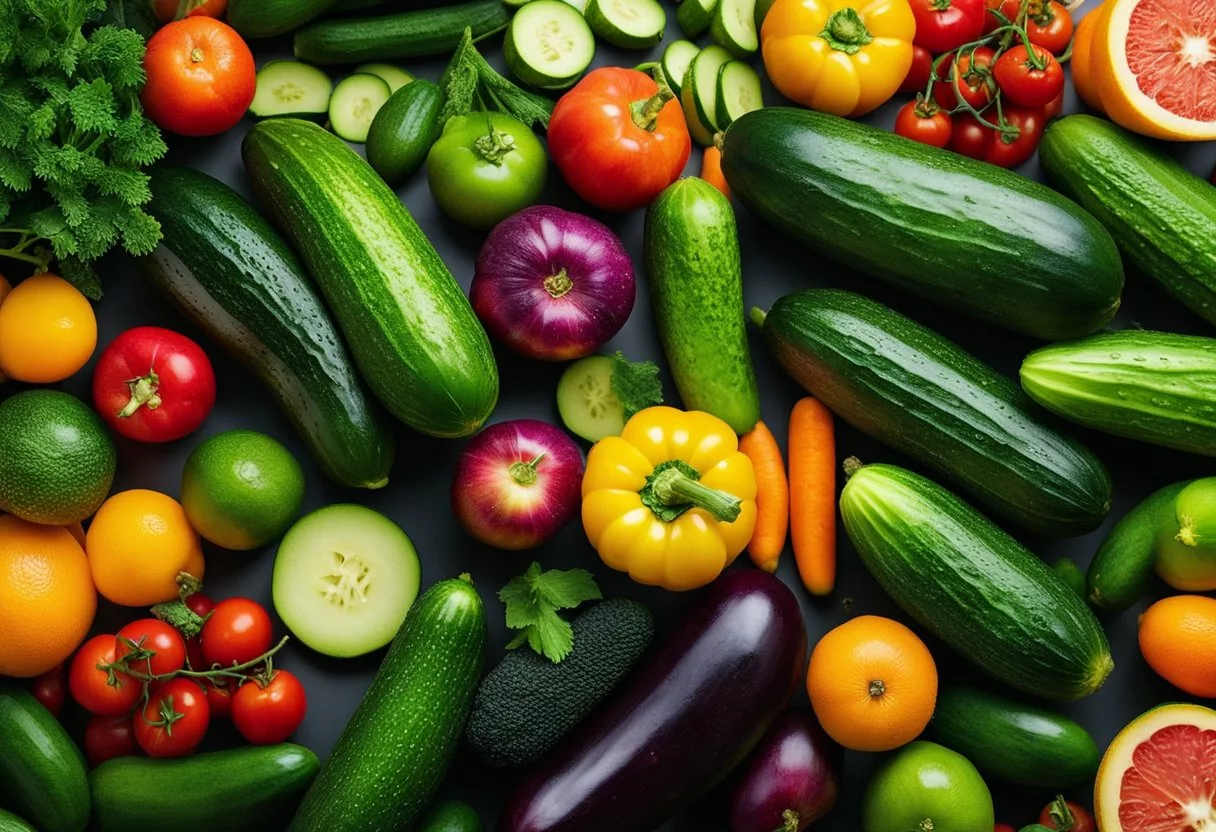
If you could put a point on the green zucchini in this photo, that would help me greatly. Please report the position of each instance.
(970, 236)
(392, 756)
(414, 34)
(239, 790)
(696, 290)
(921, 394)
(268, 18)
(1154, 387)
(1162, 216)
(11, 823)
(409, 325)
(404, 130)
(972, 585)
(42, 772)
(1012, 741)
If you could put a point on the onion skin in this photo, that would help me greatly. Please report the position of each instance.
(517, 484)
(552, 284)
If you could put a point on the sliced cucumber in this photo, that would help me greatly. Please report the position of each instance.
(738, 92)
(700, 93)
(356, 100)
(694, 16)
(515, 4)
(291, 88)
(394, 76)
(676, 59)
(344, 578)
(581, 5)
(734, 27)
(629, 24)
(548, 44)
(585, 400)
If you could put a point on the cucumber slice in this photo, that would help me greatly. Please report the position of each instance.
(548, 44)
(629, 24)
(700, 94)
(738, 92)
(344, 578)
(291, 88)
(394, 76)
(676, 59)
(356, 100)
(585, 401)
(581, 5)
(734, 27)
(694, 16)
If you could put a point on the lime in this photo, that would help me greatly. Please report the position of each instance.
(241, 489)
(926, 787)
(56, 458)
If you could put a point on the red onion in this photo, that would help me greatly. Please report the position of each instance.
(552, 284)
(791, 780)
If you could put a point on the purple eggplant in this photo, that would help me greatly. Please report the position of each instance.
(691, 714)
(791, 780)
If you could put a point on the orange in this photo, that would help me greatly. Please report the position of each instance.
(47, 600)
(5, 288)
(1178, 640)
(1081, 62)
(77, 532)
(138, 542)
(47, 330)
(873, 684)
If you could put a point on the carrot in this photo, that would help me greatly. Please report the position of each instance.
(711, 170)
(812, 450)
(772, 498)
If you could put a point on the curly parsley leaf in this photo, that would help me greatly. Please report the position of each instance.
(533, 601)
(635, 384)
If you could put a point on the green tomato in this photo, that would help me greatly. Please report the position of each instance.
(485, 167)
(927, 788)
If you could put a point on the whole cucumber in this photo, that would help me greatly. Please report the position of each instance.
(268, 18)
(42, 772)
(11, 823)
(403, 131)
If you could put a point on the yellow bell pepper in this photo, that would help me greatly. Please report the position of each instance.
(671, 500)
(844, 57)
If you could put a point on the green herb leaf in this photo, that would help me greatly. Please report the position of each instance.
(636, 384)
(533, 601)
(130, 14)
(469, 83)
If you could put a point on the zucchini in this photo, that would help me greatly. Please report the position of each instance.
(968, 235)
(42, 772)
(972, 585)
(238, 790)
(921, 394)
(268, 18)
(409, 325)
(1162, 216)
(11, 823)
(696, 290)
(236, 279)
(404, 130)
(1154, 387)
(1015, 742)
(392, 756)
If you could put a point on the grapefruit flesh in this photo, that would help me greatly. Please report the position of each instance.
(1172, 53)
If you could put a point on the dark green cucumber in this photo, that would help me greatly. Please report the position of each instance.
(1012, 741)
(351, 6)
(1155, 387)
(1071, 574)
(237, 279)
(404, 130)
(42, 772)
(392, 756)
(414, 34)
(918, 392)
(268, 18)
(451, 816)
(11, 823)
(409, 325)
(970, 236)
(1162, 216)
(696, 290)
(972, 585)
(239, 790)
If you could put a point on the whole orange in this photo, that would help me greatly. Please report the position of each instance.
(1178, 640)
(47, 330)
(138, 543)
(47, 600)
(873, 684)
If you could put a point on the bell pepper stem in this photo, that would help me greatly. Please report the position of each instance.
(646, 112)
(674, 487)
(758, 316)
(524, 473)
(852, 465)
(143, 394)
(846, 32)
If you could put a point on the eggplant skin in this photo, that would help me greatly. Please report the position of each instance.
(697, 707)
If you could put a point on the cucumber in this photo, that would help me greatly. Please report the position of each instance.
(1071, 574)
(1154, 387)
(42, 772)
(291, 88)
(737, 92)
(409, 325)
(356, 100)
(696, 289)
(699, 94)
(11, 823)
(1162, 216)
(677, 57)
(394, 76)
(734, 27)
(236, 279)
(268, 18)
(413, 34)
(695, 16)
(548, 44)
(972, 585)
(246, 788)
(629, 24)
(973, 237)
(1015, 742)
(918, 392)
(404, 130)
(392, 756)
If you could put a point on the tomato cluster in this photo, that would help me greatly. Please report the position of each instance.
(1060, 814)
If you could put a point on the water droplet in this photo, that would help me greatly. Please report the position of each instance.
(1116, 356)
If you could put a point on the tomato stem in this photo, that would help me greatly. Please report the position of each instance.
(143, 394)
(846, 32)
(494, 146)
(852, 465)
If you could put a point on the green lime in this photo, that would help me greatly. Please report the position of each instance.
(242, 489)
(926, 787)
(56, 458)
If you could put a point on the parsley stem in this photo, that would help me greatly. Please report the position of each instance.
(14, 254)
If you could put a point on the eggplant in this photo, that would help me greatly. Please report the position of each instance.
(679, 725)
(792, 779)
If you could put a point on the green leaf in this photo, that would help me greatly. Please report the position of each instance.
(82, 276)
(470, 80)
(93, 107)
(635, 384)
(533, 600)
(552, 637)
(140, 234)
(130, 14)
(566, 590)
(117, 55)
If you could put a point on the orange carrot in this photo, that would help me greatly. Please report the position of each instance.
(711, 170)
(772, 498)
(812, 450)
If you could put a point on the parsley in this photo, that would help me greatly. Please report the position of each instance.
(73, 139)
(636, 385)
(471, 83)
(533, 600)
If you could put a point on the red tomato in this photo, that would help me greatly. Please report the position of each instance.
(270, 714)
(90, 682)
(107, 737)
(943, 25)
(974, 80)
(1051, 28)
(166, 10)
(1009, 9)
(923, 122)
(969, 137)
(201, 77)
(219, 697)
(153, 385)
(1054, 108)
(1013, 148)
(156, 648)
(1026, 80)
(174, 721)
(201, 606)
(238, 631)
(918, 74)
(50, 689)
(1057, 813)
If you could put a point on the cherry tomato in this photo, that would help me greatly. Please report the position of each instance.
(164, 645)
(1009, 9)
(51, 689)
(970, 138)
(923, 122)
(238, 631)
(166, 10)
(107, 737)
(90, 684)
(270, 714)
(918, 74)
(219, 697)
(1054, 108)
(1051, 28)
(175, 719)
(974, 80)
(943, 25)
(1022, 82)
(201, 606)
(1010, 149)
(1056, 814)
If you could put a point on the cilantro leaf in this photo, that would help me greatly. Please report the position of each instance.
(533, 601)
(636, 385)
